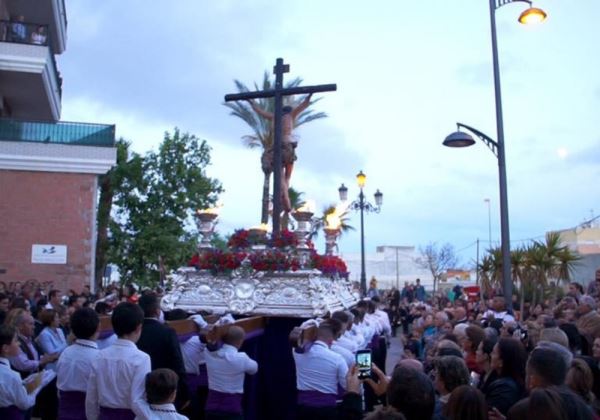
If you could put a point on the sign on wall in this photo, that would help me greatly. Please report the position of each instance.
(48, 254)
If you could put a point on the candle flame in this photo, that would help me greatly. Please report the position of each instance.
(332, 221)
(212, 210)
(308, 206)
(262, 227)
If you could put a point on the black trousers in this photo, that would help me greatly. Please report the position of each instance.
(46, 403)
(195, 411)
(217, 415)
(316, 413)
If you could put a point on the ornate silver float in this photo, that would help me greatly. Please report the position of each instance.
(303, 293)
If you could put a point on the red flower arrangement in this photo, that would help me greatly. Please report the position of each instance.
(269, 260)
(274, 260)
(239, 239)
(283, 239)
(217, 261)
(330, 265)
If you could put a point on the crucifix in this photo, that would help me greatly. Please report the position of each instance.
(278, 93)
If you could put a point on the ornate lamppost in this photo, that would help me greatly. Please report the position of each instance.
(462, 139)
(363, 206)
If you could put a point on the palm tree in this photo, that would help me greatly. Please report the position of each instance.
(296, 200)
(319, 222)
(485, 268)
(262, 129)
(496, 267)
(518, 273)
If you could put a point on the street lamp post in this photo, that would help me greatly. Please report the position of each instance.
(363, 206)
(461, 139)
(487, 201)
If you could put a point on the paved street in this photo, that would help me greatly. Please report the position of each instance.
(393, 355)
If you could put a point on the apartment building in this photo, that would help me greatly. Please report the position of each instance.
(49, 169)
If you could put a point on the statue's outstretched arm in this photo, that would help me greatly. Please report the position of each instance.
(303, 105)
(260, 111)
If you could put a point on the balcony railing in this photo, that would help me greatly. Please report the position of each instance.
(57, 133)
(23, 32)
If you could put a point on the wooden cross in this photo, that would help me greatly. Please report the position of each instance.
(278, 93)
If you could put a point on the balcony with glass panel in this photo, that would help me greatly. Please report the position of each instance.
(30, 83)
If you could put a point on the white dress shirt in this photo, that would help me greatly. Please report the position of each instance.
(344, 352)
(226, 368)
(192, 351)
(52, 340)
(348, 342)
(75, 365)
(504, 315)
(118, 379)
(162, 412)
(384, 319)
(366, 332)
(357, 335)
(107, 342)
(374, 323)
(12, 391)
(320, 369)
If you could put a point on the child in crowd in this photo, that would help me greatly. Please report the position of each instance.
(14, 396)
(116, 385)
(161, 390)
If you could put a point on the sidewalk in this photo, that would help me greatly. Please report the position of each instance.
(394, 353)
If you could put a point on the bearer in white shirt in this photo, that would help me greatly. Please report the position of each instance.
(227, 368)
(346, 340)
(75, 364)
(116, 384)
(335, 346)
(319, 372)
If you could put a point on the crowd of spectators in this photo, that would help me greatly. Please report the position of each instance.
(460, 358)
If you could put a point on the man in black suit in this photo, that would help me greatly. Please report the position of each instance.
(162, 345)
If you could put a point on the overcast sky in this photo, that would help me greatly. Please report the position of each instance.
(406, 71)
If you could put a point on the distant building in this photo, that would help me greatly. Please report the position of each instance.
(585, 240)
(391, 266)
(48, 169)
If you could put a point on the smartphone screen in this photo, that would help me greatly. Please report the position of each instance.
(363, 362)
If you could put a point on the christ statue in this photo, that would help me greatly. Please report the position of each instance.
(288, 145)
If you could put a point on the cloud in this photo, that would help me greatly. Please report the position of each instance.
(587, 156)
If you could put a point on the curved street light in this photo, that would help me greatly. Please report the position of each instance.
(461, 139)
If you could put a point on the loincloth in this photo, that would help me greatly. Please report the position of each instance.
(288, 156)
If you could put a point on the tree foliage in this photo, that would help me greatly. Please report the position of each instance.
(538, 267)
(154, 198)
(319, 222)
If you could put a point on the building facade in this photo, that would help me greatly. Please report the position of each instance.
(48, 169)
(392, 266)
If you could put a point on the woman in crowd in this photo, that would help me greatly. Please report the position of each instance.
(581, 381)
(508, 361)
(474, 335)
(483, 357)
(466, 403)
(51, 339)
